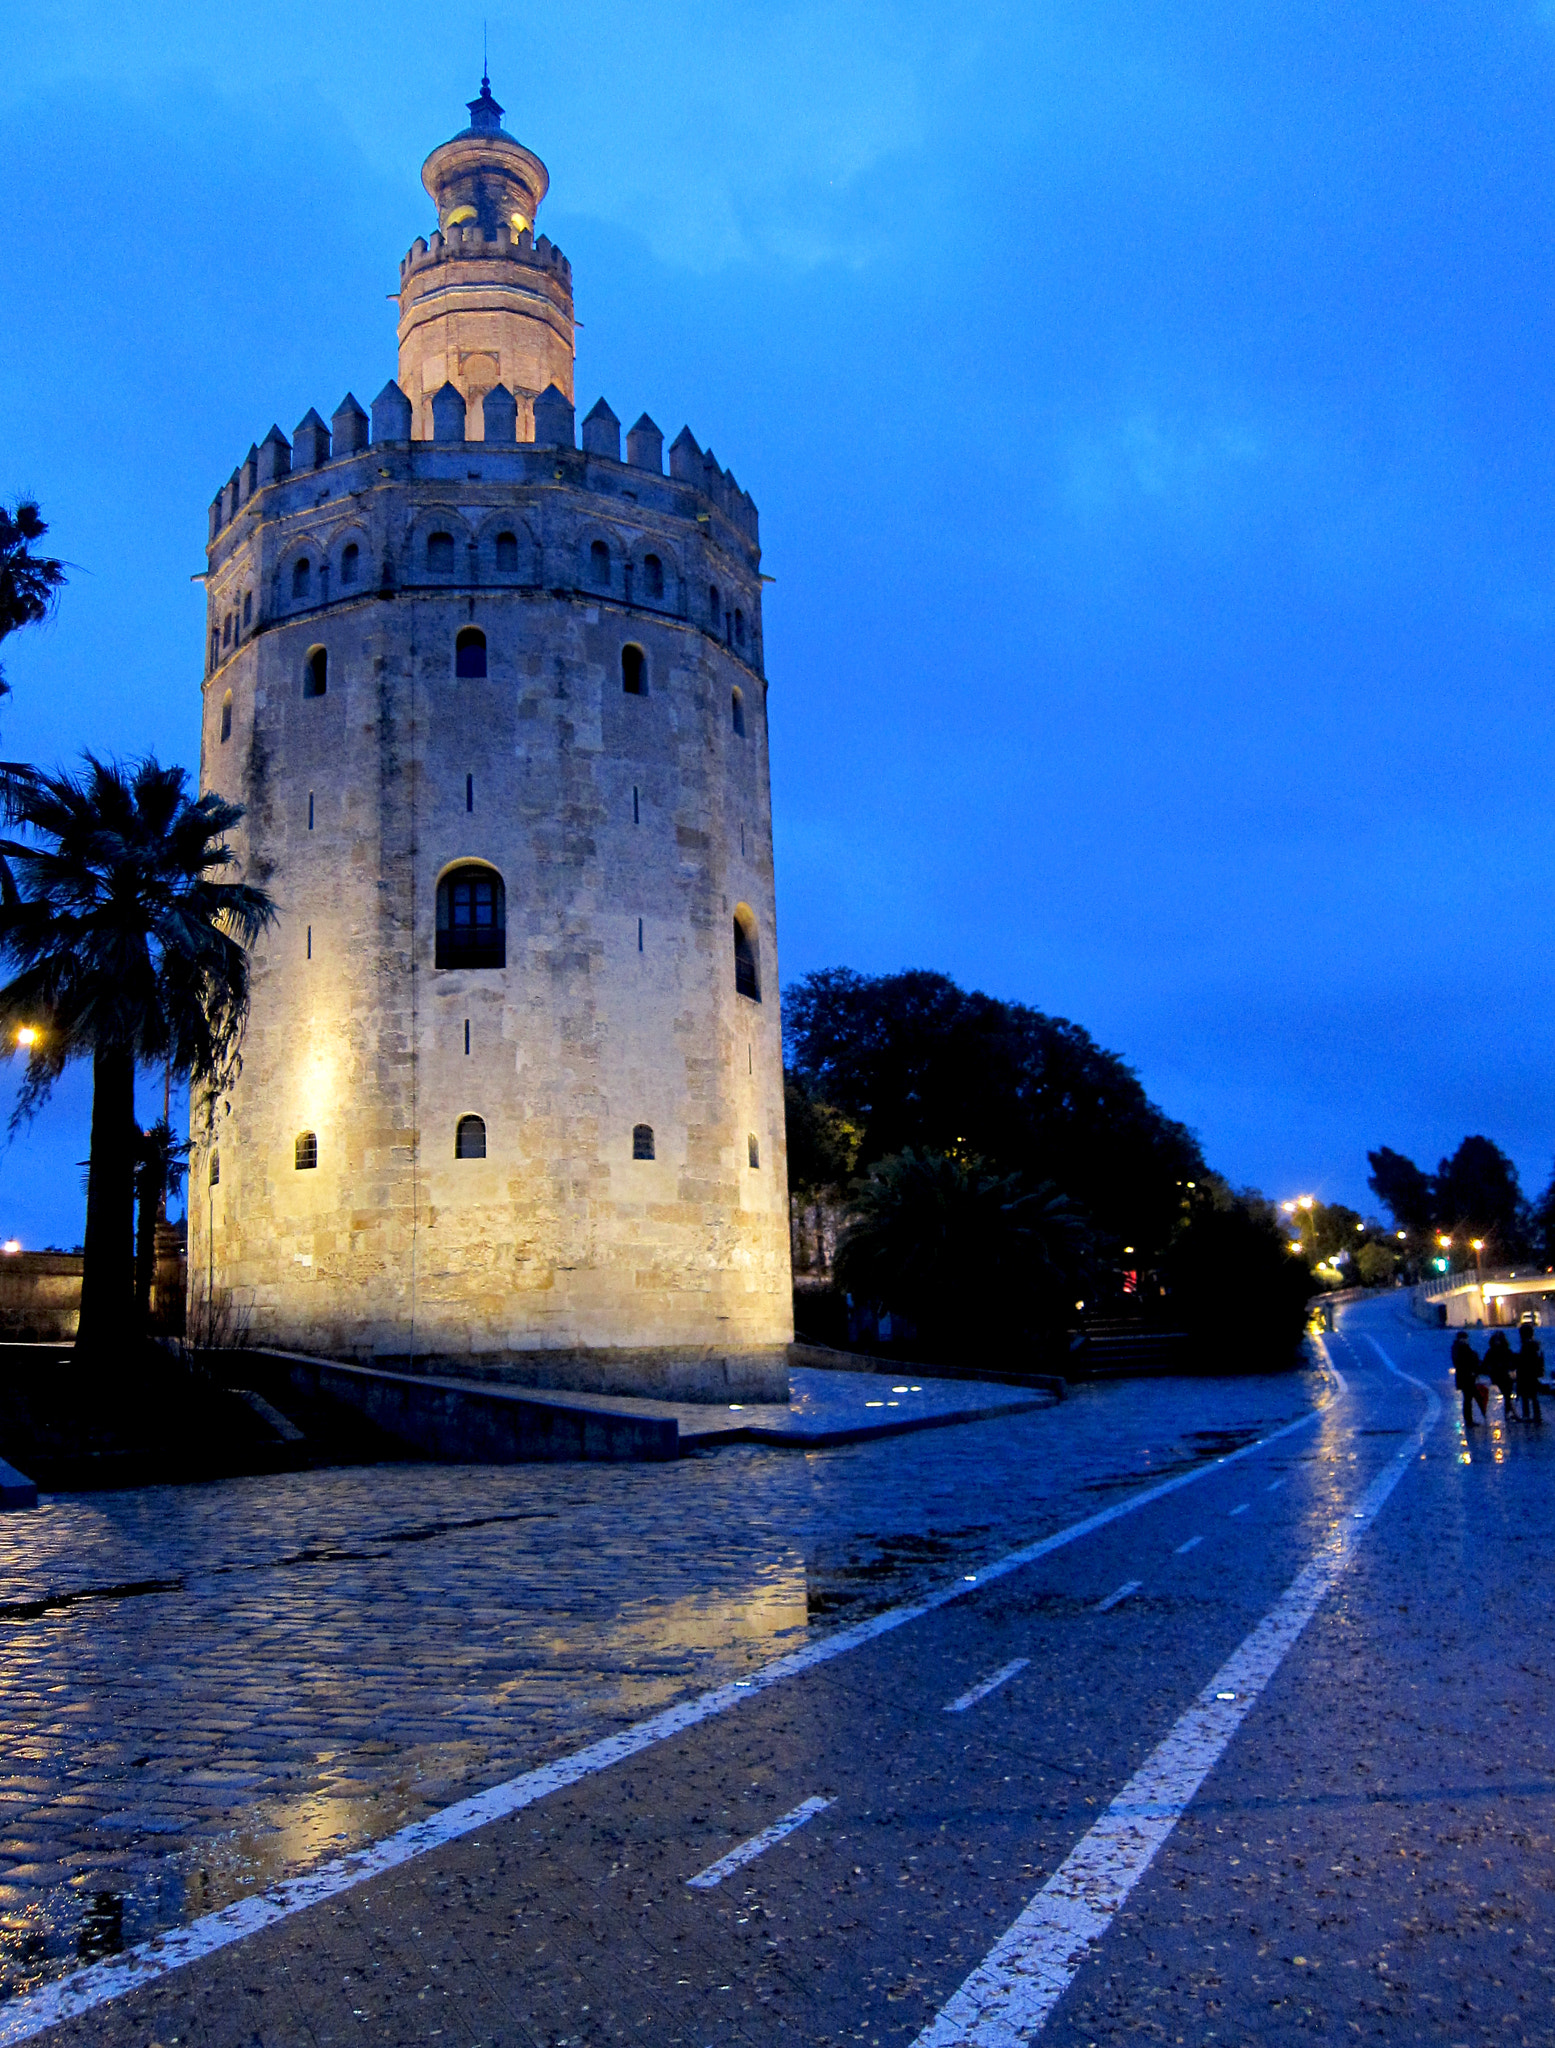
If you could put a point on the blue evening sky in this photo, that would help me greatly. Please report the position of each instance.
(1149, 410)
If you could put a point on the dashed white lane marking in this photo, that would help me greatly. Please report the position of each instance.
(1192, 1543)
(747, 1852)
(1112, 1599)
(1008, 1997)
(99, 1983)
(981, 1692)
(1242, 1509)
(1275, 1486)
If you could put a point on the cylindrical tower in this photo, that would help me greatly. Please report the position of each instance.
(511, 1094)
(484, 303)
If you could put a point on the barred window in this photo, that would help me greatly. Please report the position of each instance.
(471, 919)
(306, 1151)
(753, 1147)
(642, 1141)
(747, 965)
(215, 1170)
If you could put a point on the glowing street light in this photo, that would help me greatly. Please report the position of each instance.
(27, 1034)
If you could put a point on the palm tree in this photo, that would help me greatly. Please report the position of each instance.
(130, 939)
(29, 583)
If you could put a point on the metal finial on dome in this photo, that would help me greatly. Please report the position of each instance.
(485, 114)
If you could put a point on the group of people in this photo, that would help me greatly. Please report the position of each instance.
(1509, 1372)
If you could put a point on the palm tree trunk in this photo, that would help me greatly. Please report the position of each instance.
(108, 1269)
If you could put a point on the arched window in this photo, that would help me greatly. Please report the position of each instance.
(739, 627)
(737, 704)
(470, 1138)
(215, 1170)
(440, 554)
(305, 1152)
(350, 562)
(747, 964)
(507, 554)
(599, 565)
(470, 652)
(315, 674)
(634, 670)
(642, 1141)
(471, 919)
(753, 1147)
(226, 718)
(248, 607)
(653, 578)
(302, 577)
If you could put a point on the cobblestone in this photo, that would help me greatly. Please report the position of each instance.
(326, 1655)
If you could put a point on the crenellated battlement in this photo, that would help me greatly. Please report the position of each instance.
(316, 447)
(470, 243)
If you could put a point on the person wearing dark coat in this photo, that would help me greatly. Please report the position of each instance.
(1465, 1370)
(1530, 1368)
(1502, 1368)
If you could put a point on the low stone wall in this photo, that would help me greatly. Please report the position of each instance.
(658, 1375)
(458, 1423)
(40, 1297)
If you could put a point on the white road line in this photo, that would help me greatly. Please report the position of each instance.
(86, 1989)
(1242, 1509)
(1106, 1606)
(747, 1852)
(1275, 1487)
(1192, 1543)
(1008, 1998)
(981, 1692)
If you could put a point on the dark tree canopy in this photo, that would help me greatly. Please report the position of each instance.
(916, 1062)
(29, 582)
(1475, 1193)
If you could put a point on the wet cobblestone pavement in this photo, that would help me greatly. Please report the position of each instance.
(203, 1689)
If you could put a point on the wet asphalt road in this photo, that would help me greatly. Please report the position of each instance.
(1370, 1858)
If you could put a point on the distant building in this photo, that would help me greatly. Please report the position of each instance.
(511, 1094)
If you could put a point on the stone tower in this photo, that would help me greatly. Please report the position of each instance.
(511, 1094)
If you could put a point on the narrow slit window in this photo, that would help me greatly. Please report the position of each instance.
(310, 810)
(507, 554)
(470, 652)
(599, 565)
(305, 1153)
(469, 792)
(226, 631)
(467, 1038)
(642, 1141)
(636, 817)
(310, 942)
(739, 627)
(639, 935)
(715, 607)
(738, 708)
(226, 718)
(747, 965)
(215, 647)
(302, 577)
(470, 1138)
(634, 671)
(248, 607)
(753, 1147)
(350, 563)
(315, 676)
(215, 1180)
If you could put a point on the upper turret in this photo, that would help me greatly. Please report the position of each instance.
(483, 303)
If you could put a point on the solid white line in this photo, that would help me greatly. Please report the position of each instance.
(1192, 1543)
(1242, 1510)
(1106, 1606)
(747, 1852)
(1008, 1998)
(981, 1692)
(86, 1989)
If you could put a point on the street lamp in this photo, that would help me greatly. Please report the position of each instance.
(27, 1034)
(1476, 1245)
